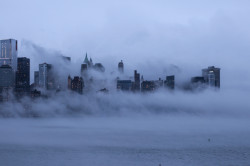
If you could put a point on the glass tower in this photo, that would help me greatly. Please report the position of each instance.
(8, 53)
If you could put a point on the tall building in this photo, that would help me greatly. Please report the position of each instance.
(7, 77)
(36, 78)
(77, 84)
(169, 82)
(46, 79)
(212, 76)
(23, 74)
(121, 67)
(8, 53)
(137, 81)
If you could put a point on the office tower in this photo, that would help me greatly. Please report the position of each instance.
(46, 79)
(36, 78)
(77, 84)
(212, 76)
(23, 74)
(121, 67)
(7, 77)
(137, 81)
(8, 53)
(169, 82)
(125, 85)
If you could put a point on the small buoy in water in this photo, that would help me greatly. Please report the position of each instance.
(209, 140)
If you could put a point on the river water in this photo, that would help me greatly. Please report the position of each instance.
(122, 141)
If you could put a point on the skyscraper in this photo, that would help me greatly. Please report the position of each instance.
(7, 77)
(212, 76)
(8, 53)
(36, 78)
(169, 82)
(120, 67)
(23, 74)
(45, 76)
(137, 81)
(77, 84)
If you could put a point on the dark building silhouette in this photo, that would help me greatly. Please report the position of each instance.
(77, 84)
(170, 82)
(125, 85)
(99, 67)
(7, 77)
(147, 86)
(212, 76)
(84, 68)
(197, 79)
(198, 83)
(7, 82)
(23, 75)
(36, 78)
(35, 94)
(136, 84)
(69, 82)
(121, 67)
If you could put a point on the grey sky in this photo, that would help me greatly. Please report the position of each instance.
(190, 34)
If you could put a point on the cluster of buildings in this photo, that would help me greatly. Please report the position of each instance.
(15, 76)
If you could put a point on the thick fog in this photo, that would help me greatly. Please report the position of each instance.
(156, 38)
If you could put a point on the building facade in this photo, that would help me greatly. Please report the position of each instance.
(46, 76)
(212, 76)
(8, 53)
(23, 74)
(7, 77)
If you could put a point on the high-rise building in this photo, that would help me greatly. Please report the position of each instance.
(8, 53)
(7, 77)
(23, 74)
(212, 76)
(77, 84)
(120, 67)
(137, 81)
(46, 79)
(36, 78)
(169, 82)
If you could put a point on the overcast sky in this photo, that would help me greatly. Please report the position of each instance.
(190, 34)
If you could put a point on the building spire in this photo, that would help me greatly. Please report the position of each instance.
(86, 60)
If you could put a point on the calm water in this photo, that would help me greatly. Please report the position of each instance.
(137, 141)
